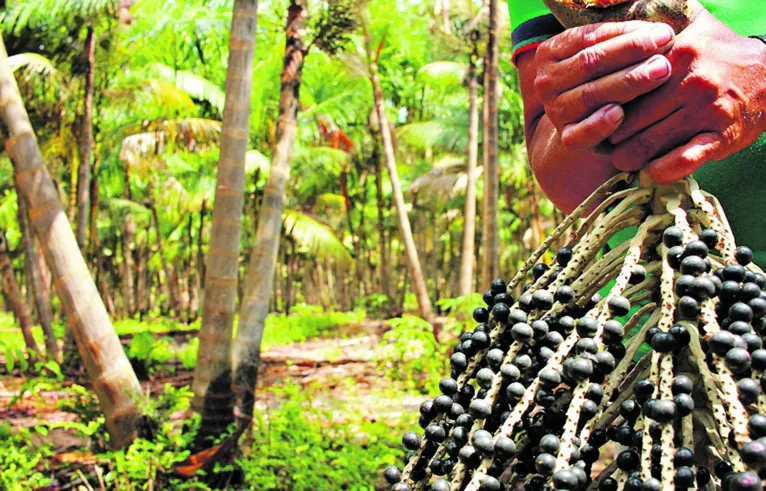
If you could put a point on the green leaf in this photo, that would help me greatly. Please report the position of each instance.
(23, 363)
(9, 361)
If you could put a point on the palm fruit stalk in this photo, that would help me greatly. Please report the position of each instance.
(548, 378)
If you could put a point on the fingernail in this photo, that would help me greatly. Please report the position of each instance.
(658, 68)
(614, 114)
(662, 34)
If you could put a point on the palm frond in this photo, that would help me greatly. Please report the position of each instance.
(33, 65)
(450, 135)
(160, 95)
(159, 136)
(122, 207)
(332, 160)
(31, 11)
(256, 161)
(441, 183)
(194, 85)
(443, 74)
(314, 237)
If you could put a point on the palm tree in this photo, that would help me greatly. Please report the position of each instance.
(466, 284)
(114, 381)
(331, 28)
(413, 261)
(212, 377)
(490, 240)
(260, 270)
(13, 293)
(86, 137)
(33, 274)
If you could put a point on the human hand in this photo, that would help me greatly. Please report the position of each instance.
(585, 74)
(713, 105)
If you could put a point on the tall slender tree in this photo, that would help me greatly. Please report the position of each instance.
(13, 293)
(212, 377)
(405, 229)
(490, 238)
(86, 138)
(112, 376)
(263, 260)
(33, 273)
(466, 285)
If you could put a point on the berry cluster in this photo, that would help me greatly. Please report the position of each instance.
(670, 364)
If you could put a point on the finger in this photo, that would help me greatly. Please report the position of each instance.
(636, 152)
(621, 87)
(657, 105)
(576, 39)
(609, 56)
(685, 160)
(593, 130)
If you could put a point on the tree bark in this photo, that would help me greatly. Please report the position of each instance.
(259, 281)
(490, 239)
(469, 214)
(86, 140)
(413, 261)
(33, 273)
(213, 396)
(383, 263)
(13, 293)
(127, 253)
(112, 376)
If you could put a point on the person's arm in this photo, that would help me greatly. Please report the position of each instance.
(573, 86)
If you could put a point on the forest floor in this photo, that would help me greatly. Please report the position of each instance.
(343, 371)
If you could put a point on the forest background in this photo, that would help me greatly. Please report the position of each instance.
(354, 170)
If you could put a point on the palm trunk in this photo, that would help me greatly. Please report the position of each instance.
(213, 396)
(33, 273)
(86, 141)
(13, 293)
(171, 287)
(114, 381)
(127, 252)
(199, 278)
(490, 239)
(260, 271)
(383, 263)
(416, 271)
(142, 294)
(469, 215)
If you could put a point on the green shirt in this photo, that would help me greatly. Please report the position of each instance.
(739, 182)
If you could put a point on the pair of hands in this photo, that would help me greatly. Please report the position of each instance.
(652, 99)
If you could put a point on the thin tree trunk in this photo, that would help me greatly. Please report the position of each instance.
(127, 252)
(416, 271)
(86, 140)
(171, 287)
(469, 215)
(383, 263)
(260, 271)
(213, 396)
(113, 379)
(94, 188)
(143, 296)
(33, 274)
(289, 282)
(191, 274)
(199, 279)
(490, 239)
(13, 293)
(103, 284)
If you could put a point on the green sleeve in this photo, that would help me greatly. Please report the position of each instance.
(531, 24)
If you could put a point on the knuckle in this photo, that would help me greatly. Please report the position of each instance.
(590, 61)
(544, 85)
(588, 96)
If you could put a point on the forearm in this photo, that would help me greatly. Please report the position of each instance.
(566, 184)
